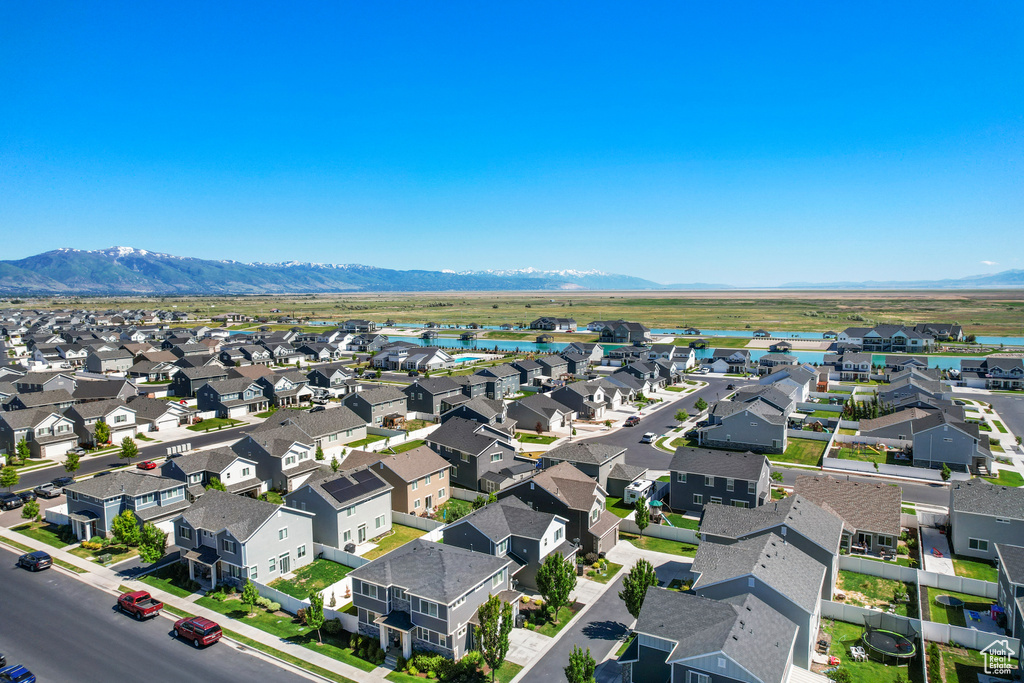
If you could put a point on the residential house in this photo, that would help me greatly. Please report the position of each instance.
(529, 370)
(284, 456)
(595, 352)
(226, 538)
(425, 596)
(333, 378)
(555, 367)
(232, 398)
(352, 506)
(188, 381)
(94, 503)
(104, 390)
(418, 476)
(540, 412)
(565, 491)
(57, 400)
(154, 415)
(1010, 560)
(756, 425)
(502, 381)
(732, 361)
(330, 429)
(118, 416)
(577, 362)
(367, 343)
(425, 395)
(359, 326)
(480, 409)
(511, 528)
(993, 372)
(596, 460)
(699, 476)
(586, 399)
(940, 439)
(799, 377)
(374, 406)
(472, 385)
(44, 381)
(286, 389)
(552, 324)
(870, 512)
(47, 433)
(473, 450)
(983, 514)
(770, 362)
(117, 360)
(623, 332)
(199, 468)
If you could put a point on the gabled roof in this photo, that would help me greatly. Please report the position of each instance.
(241, 516)
(463, 435)
(98, 408)
(730, 464)
(544, 405)
(409, 465)
(347, 487)
(25, 419)
(862, 506)
(568, 484)
(434, 571)
(743, 628)
(979, 497)
(44, 398)
(213, 460)
(1011, 562)
(123, 482)
(508, 517)
(811, 521)
(433, 385)
(314, 425)
(381, 394)
(584, 452)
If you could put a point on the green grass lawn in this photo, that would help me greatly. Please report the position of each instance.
(213, 423)
(1000, 426)
(683, 522)
(665, 479)
(961, 665)
(272, 496)
(1006, 478)
(844, 636)
(954, 616)
(802, 452)
(996, 447)
(400, 536)
(315, 576)
(267, 413)
(526, 437)
(870, 454)
(625, 646)
(165, 579)
(143, 437)
(869, 591)
(413, 425)
(464, 507)
(683, 441)
(609, 574)
(117, 554)
(505, 673)
(550, 628)
(827, 413)
(660, 545)
(372, 438)
(901, 560)
(617, 507)
(407, 446)
(975, 569)
(778, 494)
(287, 628)
(847, 432)
(675, 388)
(41, 531)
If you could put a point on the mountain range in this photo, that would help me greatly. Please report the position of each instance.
(127, 270)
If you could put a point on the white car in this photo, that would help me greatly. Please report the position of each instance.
(648, 437)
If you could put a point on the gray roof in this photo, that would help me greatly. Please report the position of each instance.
(214, 460)
(434, 571)
(768, 558)
(624, 472)
(106, 388)
(231, 386)
(724, 409)
(99, 408)
(24, 419)
(743, 628)
(1011, 562)
(381, 394)
(585, 452)
(747, 466)
(434, 385)
(124, 482)
(811, 521)
(277, 441)
(347, 487)
(314, 425)
(151, 408)
(508, 517)
(241, 516)
(979, 497)
(463, 435)
(544, 405)
(863, 506)
(44, 398)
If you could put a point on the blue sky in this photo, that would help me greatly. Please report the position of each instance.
(741, 143)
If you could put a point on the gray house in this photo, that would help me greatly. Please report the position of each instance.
(473, 449)
(755, 426)
(232, 398)
(425, 595)
(227, 539)
(351, 506)
(870, 512)
(981, 515)
(596, 460)
(941, 439)
(511, 528)
(587, 399)
(373, 405)
(542, 410)
(188, 380)
(700, 476)
(1011, 586)
(691, 639)
(118, 360)
(199, 469)
(425, 395)
(502, 381)
(93, 503)
(479, 409)
(528, 371)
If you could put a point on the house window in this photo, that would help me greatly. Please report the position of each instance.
(750, 582)
(379, 522)
(698, 499)
(228, 546)
(440, 475)
(428, 608)
(559, 532)
(398, 593)
(751, 487)
(681, 477)
(416, 504)
(709, 481)
(885, 541)
(498, 579)
(347, 536)
(495, 457)
(501, 548)
(427, 480)
(465, 457)
(716, 499)
(349, 511)
(739, 504)
(1002, 520)
(185, 533)
(290, 460)
(415, 485)
(272, 564)
(253, 572)
(300, 551)
(459, 603)
(695, 677)
(978, 544)
(721, 662)
(730, 485)
(282, 534)
(440, 494)
(245, 471)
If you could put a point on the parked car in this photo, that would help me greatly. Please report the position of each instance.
(77, 450)
(27, 496)
(730, 387)
(35, 561)
(632, 421)
(147, 465)
(648, 437)
(3, 660)
(10, 501)
(61, 482)
(414, 373)
(692, 434)
(47, 491)
(16, 674)
(197, 629)
(139, 604)
(317, 409)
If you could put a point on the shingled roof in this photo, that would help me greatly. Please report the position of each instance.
(571, 486)
(733, 465)
(241, 516)
(862, 506)
(979, 497)
(820, 526)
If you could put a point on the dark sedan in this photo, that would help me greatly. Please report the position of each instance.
(35, 561)
(27, 496)
(61, 482)
(10, 501)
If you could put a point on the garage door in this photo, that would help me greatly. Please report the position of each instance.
(168, 526)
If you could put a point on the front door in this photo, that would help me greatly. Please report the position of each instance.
(284, 564)
(361, 533)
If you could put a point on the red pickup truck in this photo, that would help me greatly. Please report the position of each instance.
(140, 604)
(199, 630)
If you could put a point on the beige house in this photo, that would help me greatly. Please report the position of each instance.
(419, 477)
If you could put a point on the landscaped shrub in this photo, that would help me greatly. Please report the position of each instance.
(332, 627)
(473, 658)
(353, 642)
(274, 607)
(301, 615)
(591, 558)
(263, 602)
(400, 663)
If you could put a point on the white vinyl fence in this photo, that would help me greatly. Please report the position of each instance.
(350, 622)
(669, 533)
(903, 471)
(338, 555)
(58, 515)
(415, 522)
(890, 570)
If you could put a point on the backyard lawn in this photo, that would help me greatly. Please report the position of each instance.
(617, 507)
(683, 522)
(407, 446)
(41, 531)
(866, 453)
(954, 616)
(975, 569)
(1006, 478)
(524, 437)
(372, 438)
(464, 507)
(400, 536)
(213, 423)
(315, 576)
(960, 665)
(871, 591)
(845, 635)
(413, 425)
(660, 545)
(802, 451)
(847, 432)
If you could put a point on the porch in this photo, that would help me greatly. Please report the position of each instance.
(395, 633)
(203, 566)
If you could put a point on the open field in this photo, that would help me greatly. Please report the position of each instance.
(992, 312)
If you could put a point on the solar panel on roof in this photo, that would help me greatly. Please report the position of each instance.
(344, 489)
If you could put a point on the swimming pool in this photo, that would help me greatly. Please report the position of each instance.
(467, 359)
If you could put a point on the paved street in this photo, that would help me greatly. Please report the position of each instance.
(64, 630)
(1009, 406)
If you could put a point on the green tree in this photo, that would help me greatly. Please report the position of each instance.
(71, 462)
(479, 502)
(152, 543)
(701, 405)
(125, 529)
(319, 455)
(101, 433)
(492, 636)
(129, 449)
(9, 477)
(776, 476)
(556, 579)
(250, 595)
(22, 451)
(315, 613)
(643, 514)
(682, 416)
(30, 510)
(335, 465)
(635, 585)
(581, 666)
(946, 473)
(216, 484)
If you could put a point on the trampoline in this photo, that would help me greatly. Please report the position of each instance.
(949, 601)
(889, 639)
